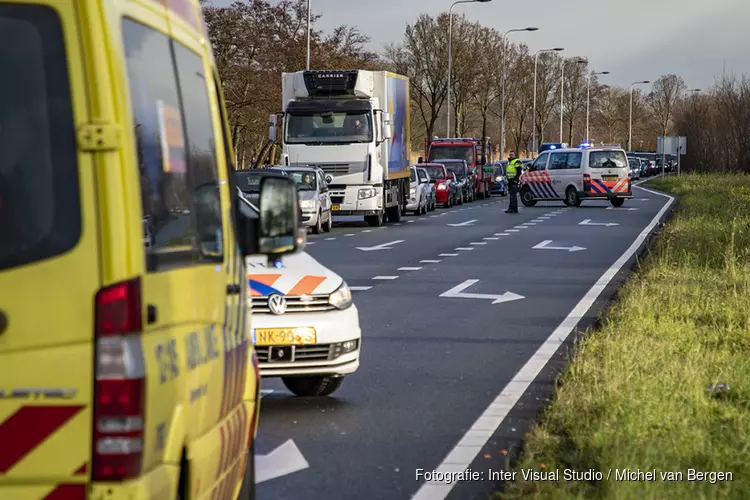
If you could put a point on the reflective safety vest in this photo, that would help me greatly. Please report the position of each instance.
(511, 171)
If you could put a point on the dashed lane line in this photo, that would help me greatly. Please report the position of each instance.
(385, 277)
(447, 255)
(464, 248)
(409, 268)
(478, 243)
(359, 288)
(430, 261)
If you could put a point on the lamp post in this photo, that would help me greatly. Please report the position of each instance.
(588, 100)
(533, 117)
(307, 66)
(502, 99)
(450, 58)
(562, 92)
(630, 121)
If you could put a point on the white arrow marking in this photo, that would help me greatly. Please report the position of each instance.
(623, 209)
(588, 222)
(284, 460)
(457, 293)
(545, 246)
(467, 223)
(384, 246)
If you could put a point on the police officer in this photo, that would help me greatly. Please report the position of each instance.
(513, 174)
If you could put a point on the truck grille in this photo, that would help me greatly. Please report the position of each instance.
(294, 304)
(302, 353)
(343, 168)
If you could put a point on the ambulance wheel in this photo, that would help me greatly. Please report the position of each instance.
(617, 202)
(527, 197)
(318, 227)
(394, 213)
(375, 220)
(571, 197)
(312, 386)
(247, 492)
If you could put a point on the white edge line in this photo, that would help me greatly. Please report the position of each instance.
(491, 419)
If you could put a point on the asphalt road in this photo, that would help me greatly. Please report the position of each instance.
(432, 365)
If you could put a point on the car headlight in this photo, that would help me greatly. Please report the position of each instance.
(412, 192)
(341, 298)
(307, 204)
(365, 193)
(499, 178)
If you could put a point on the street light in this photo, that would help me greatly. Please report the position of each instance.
(307, 67)
(562, 92)
(588, 100)
(630, 126)
(502, 101)
(450, 62)
(533, 118)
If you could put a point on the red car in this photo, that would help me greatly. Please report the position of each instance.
(444, 189)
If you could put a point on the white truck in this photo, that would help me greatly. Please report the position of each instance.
(354, 125)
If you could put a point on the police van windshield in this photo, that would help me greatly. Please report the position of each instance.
(607, 159)
(328, 127)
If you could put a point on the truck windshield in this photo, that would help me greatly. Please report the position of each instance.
(607, 159)
(452, 153)
(327, 127)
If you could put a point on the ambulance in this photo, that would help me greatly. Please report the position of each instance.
(126, 366)
(577, 174)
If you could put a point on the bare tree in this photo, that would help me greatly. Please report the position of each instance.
(548, 76)
(665, 93)
(574, 106)
(487, 66)
(463, 71)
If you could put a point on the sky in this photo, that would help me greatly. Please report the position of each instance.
(632, 39)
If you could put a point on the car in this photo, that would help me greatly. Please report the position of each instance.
(444, 189)
(314, 197)
(455, 188)
(499, 185)
(576, 174)
(429, 186)
(305, 324)
(465, 182)
(635, 167)
(248, 181)
(417, 201)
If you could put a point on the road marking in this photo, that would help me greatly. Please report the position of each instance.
(457, 292)
(359, 288)
(464, 248)
(409, 268)
(544, 218)
(330, 239)
(385, 277)
(382, 246)
(491, 238)
(545, 245)
(308, 243)
(472, 442)
(284, 460)
(411, 220)
(529, 224)
(448, 255)
(397, 224)
(622, 209)
(428, 261)
(587, 222)
(511, 230)
(350, 234)
(521, 227)
(265, 392)
(537, 220)
(461, 224)
(501, 234)
(432, 216)
(367, 231)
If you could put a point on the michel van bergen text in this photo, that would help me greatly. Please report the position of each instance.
(575, 475)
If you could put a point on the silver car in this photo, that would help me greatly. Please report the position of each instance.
(424, 177)
(418, 192)
(314, 197)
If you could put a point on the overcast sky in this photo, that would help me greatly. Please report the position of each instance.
(633, 39)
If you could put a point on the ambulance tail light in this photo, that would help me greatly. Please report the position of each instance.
(120, 384)
(586, 182)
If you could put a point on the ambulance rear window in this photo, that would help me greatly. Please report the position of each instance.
(608, 159)
(39, 197)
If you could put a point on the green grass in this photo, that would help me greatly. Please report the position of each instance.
(636, 393)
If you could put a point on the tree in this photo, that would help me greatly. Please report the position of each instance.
(488, 47)
(463, 70)
(576, 87)
(548, 76)
(665, 93)
(519, 94)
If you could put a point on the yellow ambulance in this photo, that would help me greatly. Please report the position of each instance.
(126, 368)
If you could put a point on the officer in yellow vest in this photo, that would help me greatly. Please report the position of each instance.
(512, 176)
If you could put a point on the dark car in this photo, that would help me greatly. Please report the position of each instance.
(498, 177)
(465, 181)
(248, 181)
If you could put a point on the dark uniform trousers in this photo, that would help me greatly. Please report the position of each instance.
(513, 195)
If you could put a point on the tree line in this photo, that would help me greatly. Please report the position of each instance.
(255, 41)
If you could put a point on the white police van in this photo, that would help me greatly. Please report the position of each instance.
(576, 174)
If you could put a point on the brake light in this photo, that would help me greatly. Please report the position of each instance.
(119, 400)
(586, 182)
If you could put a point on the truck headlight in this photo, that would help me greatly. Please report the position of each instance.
(307, 204)
(365, 193)
(341, 298)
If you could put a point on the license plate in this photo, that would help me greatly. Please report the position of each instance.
(335, 207)
(610, 177)
(284, 336)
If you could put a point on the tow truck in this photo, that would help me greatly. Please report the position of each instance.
(474, 151)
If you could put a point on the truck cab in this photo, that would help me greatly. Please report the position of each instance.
(472, 151)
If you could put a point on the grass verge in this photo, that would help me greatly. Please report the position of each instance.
(637, 393)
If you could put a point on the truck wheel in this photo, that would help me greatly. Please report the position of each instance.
(394, 213)
(375, 220)
(318, 227)
(312, 386)
(571, 197)
(247, 492)
(617, 202)
(527, 197)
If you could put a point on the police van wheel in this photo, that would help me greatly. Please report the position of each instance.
(312, 386)
(247, 492)
(617, 202)
(527, 197)
(571, 198)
